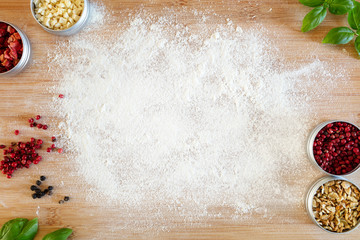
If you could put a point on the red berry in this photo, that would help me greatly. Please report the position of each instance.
(39, 141)
(52, 146)
(45, 127)
(60, 150)
(53, 139)
(336, 148)
(31, 120)
(17, 132)
(48, 149)
(61, 96)
(39, 126)
(38, 117)
(2, 146)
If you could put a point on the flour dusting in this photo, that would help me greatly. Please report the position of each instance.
(174, 121)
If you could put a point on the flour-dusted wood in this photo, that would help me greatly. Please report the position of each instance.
(21, 95)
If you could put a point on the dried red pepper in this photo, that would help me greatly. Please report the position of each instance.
(11, 47)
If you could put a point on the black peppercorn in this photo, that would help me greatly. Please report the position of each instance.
(42, 178)
(50, 193)
(34, 196)
(46, 191)
(33, 188)
(50, 188)
(66, 198)
(37, 191)
(38, 195)
(38, 182)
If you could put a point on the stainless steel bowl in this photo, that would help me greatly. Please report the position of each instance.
(310, 146)
(26, 54)
(310, 195)
(73, 29)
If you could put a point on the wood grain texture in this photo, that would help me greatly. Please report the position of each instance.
(21, 95)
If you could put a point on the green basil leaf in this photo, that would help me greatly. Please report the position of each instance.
(340, 35)
(357, 45)
(354, 16)
(29, 231)
(313, 18)
(61, 234)
(312, 3)
(340, 7)
(12, 228)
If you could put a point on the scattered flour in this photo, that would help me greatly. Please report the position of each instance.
(164, 118)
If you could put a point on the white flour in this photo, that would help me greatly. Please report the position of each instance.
(157, 113)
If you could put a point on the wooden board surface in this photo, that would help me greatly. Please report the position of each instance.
(21, 95)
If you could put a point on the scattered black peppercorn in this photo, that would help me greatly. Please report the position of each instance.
(38, 182)
(42, 194)
(66, 198)
(46, 191)
(37, 191)
(33, 188)
(34, 196)
(50, 188)
(61, 201)
(50, 193)
(42, 178)
(38, 195)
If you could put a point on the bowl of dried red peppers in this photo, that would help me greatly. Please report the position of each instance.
(15, 49)
(334, 147)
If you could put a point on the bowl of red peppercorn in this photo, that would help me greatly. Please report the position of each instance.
(333, 146)
(15, 49)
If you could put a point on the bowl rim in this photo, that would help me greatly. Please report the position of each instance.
(310, 146)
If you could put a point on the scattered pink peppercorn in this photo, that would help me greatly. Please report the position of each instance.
(39, 125)
(31, 120)
(38, 117)
(61, 96)
(53, 139)
(60, 150)
(44, 127)
(21, 155)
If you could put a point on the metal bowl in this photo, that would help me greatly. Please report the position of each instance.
(26, 54)
(310, 146)
(71, 30)
(310, 195)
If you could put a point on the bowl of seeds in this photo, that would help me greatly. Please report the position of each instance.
(60, 17)
(333, 204)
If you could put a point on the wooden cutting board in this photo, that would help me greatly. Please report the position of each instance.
(21, 95)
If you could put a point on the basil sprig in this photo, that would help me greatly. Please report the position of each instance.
(61, 234)
(29, 231)
(23, 229)
(318, 14)
(19, 229)
(343, 35)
